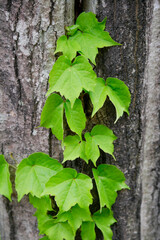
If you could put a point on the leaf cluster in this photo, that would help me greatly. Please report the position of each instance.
(62, 196)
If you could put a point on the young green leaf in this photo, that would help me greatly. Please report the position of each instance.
(109, 179)
(58, 230)
(88, 231)
(69, 47)
(75, 116)
(104, 137)
(119, 95)
(104, 219)
(91, 148)
(43, 204)
(42, 219)
(92, 35)
(71, 78)
(52, 115)
(5, 183)
(98, 97)
(75, 216)
(74, 148)
(100, 136)
(70, 188)
(33, 173)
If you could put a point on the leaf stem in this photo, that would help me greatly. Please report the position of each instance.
(10, 165)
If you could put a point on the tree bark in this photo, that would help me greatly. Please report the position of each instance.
(29, 30)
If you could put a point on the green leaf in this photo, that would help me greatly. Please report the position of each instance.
(43, 204)
(5, 183)
(91, 148)
(69, 188)
(98, 97)
(71, 78)
(58, 231)
(88, 231)
(119, 95)
(117, 92)
(104, 219)
(109, 179)
(104, 137)
(42, 218)
(100, 136)
(75, 216)
(92, 35)
(69, 47)
(74, 148)
(75, 116)
(33, 173)
(52, 115)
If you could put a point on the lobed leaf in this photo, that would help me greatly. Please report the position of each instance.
(5, 183)
(58, 231)
(91, 35)
(70, 188)
(71, 78)
(75, 216)
(33, 173)
(100, 136)
(119, 95)
(74, 148)
(104, 219)
(75, 116)
(109, 179)
(98, 97)
(117, 92)
(52, 115)
(69, 47)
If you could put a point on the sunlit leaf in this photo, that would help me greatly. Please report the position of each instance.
(52, 115)
(98, 97)
(101, 137)
(109, 179)
(74, 148)
(70, 188)
(119, 95)
(91, 35)
(75, 116)
(104, 219)
(68, 46)
(33, 173)
(75, 216)
(58, 231)
(71, 78)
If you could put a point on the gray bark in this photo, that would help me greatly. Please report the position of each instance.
(29, 30)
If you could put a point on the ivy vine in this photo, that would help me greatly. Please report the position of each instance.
(62, 196)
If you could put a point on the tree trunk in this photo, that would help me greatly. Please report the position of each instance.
(29, 30)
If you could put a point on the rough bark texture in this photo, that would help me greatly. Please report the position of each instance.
(29, 30)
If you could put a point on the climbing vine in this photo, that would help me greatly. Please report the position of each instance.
(63, 197)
